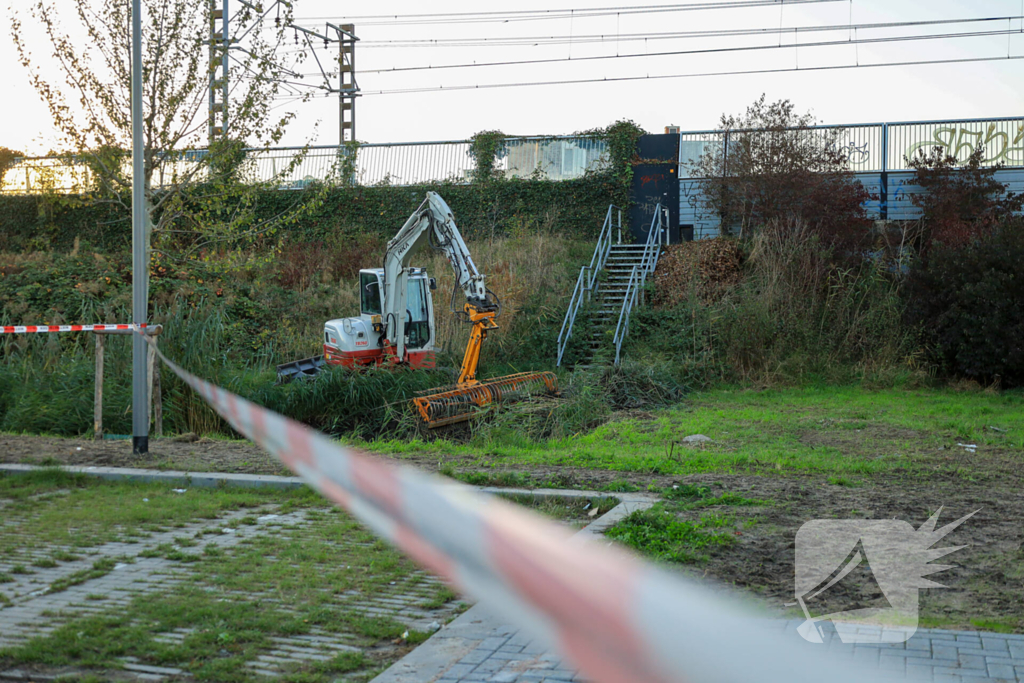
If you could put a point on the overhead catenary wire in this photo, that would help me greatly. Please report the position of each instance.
(748, 72)
(510, 16)
(711, 50)
(536, 41)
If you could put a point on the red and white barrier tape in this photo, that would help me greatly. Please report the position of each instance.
(620, 620)
(28, 329)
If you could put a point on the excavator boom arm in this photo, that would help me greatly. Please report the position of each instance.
(432, 223)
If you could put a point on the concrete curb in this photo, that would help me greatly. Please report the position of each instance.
(195, 479)
(222, 479)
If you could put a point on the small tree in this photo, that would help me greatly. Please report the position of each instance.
(8, 158)
(776, 167)
(193, 195)
(961, 202)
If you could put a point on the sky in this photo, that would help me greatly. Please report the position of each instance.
(693, 102)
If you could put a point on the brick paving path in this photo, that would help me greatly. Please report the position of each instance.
(476, 647)
(33, 611)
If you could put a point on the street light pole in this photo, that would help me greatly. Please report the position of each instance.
(140, 262)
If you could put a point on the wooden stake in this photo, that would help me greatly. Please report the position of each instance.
(158, 403)
(97, 411)
(150, 360)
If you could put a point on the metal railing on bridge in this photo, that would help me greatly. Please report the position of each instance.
(402, 163)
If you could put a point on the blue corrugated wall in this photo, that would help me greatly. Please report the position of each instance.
(900, 205)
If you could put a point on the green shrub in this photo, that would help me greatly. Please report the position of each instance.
(969, 305)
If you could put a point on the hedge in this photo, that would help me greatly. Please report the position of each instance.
(497, 207)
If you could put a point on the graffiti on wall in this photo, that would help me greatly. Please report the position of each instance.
(960, 141)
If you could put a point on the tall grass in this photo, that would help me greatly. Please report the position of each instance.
(46, 381)
(801, 314)
(798, 314)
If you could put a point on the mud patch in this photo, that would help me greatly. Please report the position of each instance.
(983, 585)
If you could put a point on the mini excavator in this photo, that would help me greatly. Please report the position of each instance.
(396, 321)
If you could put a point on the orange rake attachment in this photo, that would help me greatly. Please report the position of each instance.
(460, 402)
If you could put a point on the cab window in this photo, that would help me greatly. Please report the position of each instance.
(369, 293)
(417, 325)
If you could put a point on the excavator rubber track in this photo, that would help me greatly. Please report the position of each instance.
(453, 404)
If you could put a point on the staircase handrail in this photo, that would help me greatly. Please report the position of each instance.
(587, 280)
(638, 277)
(622, 328)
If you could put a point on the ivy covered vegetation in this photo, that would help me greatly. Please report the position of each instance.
(502, 207)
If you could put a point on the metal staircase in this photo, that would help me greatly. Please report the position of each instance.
(614, 280)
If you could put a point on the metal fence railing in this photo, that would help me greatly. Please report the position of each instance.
(553, 158)
(882, 147)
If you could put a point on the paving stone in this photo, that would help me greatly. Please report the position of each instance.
(141, 668)
(890, 663)
(490, 665)
(943, 653)
(504, 677)
(535, 648)
(512, 656)
(460, 670)
(1003, 671)
(919, 672)
(971, 661)
(492, 643)
(994, 643)
(272, 673)
(1000, 660)
(919, 661)
(475, 657)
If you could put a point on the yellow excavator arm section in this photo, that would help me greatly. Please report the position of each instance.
(460, 402)
(483, 321)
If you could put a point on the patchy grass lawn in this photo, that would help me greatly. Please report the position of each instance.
(833, 430)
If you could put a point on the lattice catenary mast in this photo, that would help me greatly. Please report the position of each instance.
(220, 45)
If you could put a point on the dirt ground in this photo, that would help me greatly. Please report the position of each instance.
(187, 453)
(985, 582)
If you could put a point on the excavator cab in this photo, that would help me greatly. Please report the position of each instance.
(362, 340)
